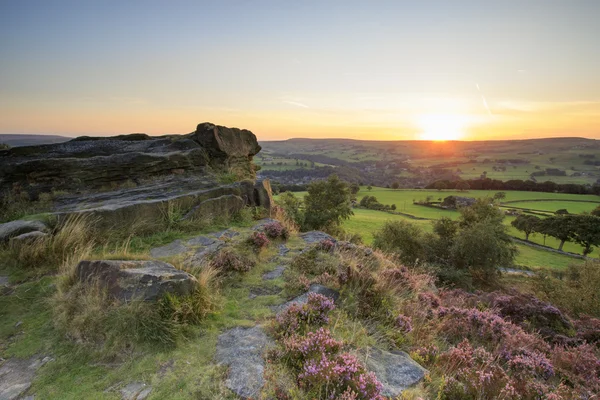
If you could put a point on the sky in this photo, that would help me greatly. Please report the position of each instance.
(370, 69)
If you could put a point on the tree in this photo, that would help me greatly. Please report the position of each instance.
(483, 248)
(440, 185)
(527, 224)
(462, 186)
(369, 188)
(596, 211)
(558, 226)
(354, 188)
(586, 232)
(482, 210)
(562, 211)
(402, 238)
(395, 185)
(500, 196)
(327, 203)
(393, 207)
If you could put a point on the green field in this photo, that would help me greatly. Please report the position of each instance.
(365, 222)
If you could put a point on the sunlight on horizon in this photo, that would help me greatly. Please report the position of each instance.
(441, 127)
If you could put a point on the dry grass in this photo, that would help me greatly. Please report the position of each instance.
(72, 240)
(280, 215)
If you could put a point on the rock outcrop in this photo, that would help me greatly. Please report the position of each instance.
(141, 280)
(95, 162)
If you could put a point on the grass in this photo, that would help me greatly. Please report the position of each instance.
(82, 370)
(365, 222)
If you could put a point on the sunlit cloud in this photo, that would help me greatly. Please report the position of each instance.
(295, 103)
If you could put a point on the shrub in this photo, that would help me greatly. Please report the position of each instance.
(315, 345)
(258, 240)
(326, 245)
(276, 230)
(297, 318)
(228, 260)
(342, 375)
(402, 238)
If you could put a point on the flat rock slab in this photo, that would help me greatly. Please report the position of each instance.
(241, 349)
(172, 249)
(179, 247)
(303, 299)
(4, 280)
(143, 280)
(16, 375)
(316, 236)
(395, 370)
(136, 391)
(276, 273)
(11, 229)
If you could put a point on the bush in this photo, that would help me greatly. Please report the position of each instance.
(400, 237)
(276, 230)
(258, 240)
(228, 260)
(297, 318)
(327, 203)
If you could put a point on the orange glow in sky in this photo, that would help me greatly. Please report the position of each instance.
(387, 70)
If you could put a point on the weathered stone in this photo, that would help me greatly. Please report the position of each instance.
(16, 375)
(241, 349)
(172, 249)
(223, 206)
(316, 236)
(276, 273)
(227, 148)
(257, 193)
(283, 250)
(27, 238)
(144, 280)
(136, 391)
(200, 241)
(395, 370)
(4, 281)
(12, 229)
(303, 299)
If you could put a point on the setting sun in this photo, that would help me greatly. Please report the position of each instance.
(441, 127)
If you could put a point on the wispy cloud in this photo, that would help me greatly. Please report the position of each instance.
(295, 103)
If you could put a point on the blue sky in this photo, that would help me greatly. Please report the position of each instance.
(386, 69)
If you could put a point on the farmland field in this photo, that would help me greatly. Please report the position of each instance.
(365, 222)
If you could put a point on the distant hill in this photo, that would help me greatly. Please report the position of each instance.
(16, 140)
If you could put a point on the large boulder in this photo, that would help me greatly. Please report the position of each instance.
(15, 228)
(227, 148)
(141, 280)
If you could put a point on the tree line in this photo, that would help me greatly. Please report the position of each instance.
(583, 229)
(515, 184)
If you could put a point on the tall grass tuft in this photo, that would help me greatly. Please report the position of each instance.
(73, 239)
